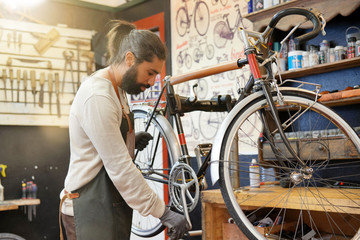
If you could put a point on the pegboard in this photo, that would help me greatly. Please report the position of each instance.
(35, 89)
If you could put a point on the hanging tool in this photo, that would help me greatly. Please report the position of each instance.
(57, 92)
(4, 77)
(18, 78)
(34, 190)
(50, 88)
(20, 41)
(46, 40)
(14, 38)
(8, 39)
(68, 55)
(11, 78)
(90, 62)
(29, 60)
(41, 94)
(25, 78)
(78, 43)
(33, 84)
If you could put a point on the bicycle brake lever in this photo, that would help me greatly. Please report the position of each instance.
(193, 96)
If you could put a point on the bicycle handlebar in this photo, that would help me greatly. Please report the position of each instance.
(311, 15)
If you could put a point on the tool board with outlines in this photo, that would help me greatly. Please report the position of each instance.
(41, 68)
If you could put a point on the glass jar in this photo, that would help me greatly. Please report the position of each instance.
(313, 57)
(357, 48)
(351, 47)
(339, 53)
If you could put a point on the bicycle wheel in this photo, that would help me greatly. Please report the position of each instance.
(188, 61)
(10, 236)
(220, 33)
(182, 21)
(197, 55)
(150, 162)
(202, 18)
(209, 123)
(209, 51)
(310, 202)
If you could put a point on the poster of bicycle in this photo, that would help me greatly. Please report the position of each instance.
(205, 33)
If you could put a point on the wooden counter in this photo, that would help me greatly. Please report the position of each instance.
(15, 203)
(215, 216)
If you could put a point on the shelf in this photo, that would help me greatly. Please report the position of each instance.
(321, 68)
(329, 8)
(15, 203)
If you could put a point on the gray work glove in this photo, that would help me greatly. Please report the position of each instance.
(176, 223)
(142, 139)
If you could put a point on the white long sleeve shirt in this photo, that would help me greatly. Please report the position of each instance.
(96, 141)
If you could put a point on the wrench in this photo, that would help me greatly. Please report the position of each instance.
(68, 55)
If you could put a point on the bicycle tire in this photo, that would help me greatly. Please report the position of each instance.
(220, 32)
(209, 51)
(182, 21)
(149, 226)
(314, 210)
(10, 236)
(202, 18)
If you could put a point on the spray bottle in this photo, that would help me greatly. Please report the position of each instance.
(2, 171)
(254, 170)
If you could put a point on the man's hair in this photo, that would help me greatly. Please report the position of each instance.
(123, 37)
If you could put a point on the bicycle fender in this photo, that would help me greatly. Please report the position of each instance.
(220, 135)
(164, 123)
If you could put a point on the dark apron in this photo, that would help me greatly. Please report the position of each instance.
(100, 212)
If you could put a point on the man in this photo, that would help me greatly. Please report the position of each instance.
(103, 185)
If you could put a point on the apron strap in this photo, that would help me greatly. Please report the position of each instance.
(118, 95)
(69, 196)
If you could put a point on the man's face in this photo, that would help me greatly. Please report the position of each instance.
(141, 76)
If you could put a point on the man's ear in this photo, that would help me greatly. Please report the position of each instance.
(129, 59)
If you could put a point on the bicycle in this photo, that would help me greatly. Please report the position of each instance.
(304, 141)
(184, 57)
(223, 32)
(199, 52)
(201, 18)
(223, 2)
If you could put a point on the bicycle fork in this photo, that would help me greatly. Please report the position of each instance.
(250, 52)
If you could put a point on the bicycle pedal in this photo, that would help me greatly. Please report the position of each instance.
(203, 149)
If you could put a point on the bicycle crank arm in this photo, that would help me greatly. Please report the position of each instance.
(185, 208)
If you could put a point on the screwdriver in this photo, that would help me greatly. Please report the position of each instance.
(4, 77)
(41, 95)
(50, 88)
(57, 92)
(18, 78)
(25, 78)
(11, 77)
(33, 84)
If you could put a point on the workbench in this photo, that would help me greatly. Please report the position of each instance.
(215, 216)
(16, 203)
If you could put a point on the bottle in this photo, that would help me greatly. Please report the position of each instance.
(306, 61)
(338, 53)
(1, 192)
(313, 57)
(254, 174)
(292, 46)
(324, 47)
(332, 55)
(351, 47)
(321, 57)
(283, 57)
(250, 6)
(357, 48)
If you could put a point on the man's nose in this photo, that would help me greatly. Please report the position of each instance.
(151, 81)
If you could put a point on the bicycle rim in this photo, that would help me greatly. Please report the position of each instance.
(149, 226)
(220, 31)
(182, 22)
(202, 18)
(308, 203)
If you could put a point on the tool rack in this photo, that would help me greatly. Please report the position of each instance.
(38, 82)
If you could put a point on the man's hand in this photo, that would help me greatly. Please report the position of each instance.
(176, 223)
(142, 139)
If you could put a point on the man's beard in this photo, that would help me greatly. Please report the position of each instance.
(129, 83)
